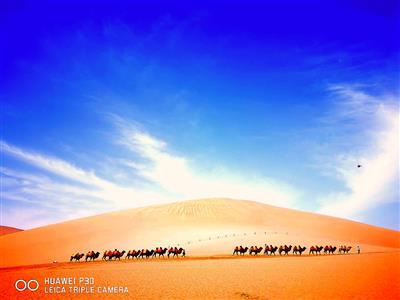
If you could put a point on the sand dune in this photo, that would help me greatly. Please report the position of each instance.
(7, 230)
(203, 227)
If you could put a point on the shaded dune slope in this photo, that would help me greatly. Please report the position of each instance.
(8, 230)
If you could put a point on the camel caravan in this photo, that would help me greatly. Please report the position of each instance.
(144, 253)
(285, 250)
(238, 250)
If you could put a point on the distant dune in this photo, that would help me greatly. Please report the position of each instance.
(203, 227)
(7, 230)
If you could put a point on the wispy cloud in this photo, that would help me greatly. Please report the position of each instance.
(52, 164)
(377, 181)
(83, 194)
(177, 175)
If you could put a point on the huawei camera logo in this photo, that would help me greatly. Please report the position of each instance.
(21, 285)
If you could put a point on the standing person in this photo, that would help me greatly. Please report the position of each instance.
(358, 249)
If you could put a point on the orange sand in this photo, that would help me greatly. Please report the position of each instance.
(365, 276)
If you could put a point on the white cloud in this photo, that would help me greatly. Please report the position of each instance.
(176, 175)
(377, 181)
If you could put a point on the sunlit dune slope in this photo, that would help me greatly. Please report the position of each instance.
(203, 227)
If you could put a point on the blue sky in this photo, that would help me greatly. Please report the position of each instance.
(115, 105)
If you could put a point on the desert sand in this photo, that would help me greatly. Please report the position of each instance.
(364, 276)
(208, 229)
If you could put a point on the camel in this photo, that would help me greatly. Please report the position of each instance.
(146, 253)
(91, 255)
(154, 252)
(329, 249)
(332, 250)
(149, 253)
(270, 249)
(315, 249)
(255, 250)
(132, 253)
(298, 250)
(273, 249)
(240, 250)
(176, 252)
(160, 251)
(77, 256)
(344, 249)
(107, 254)
(285, 249)
(138, 252)
(117, 254)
